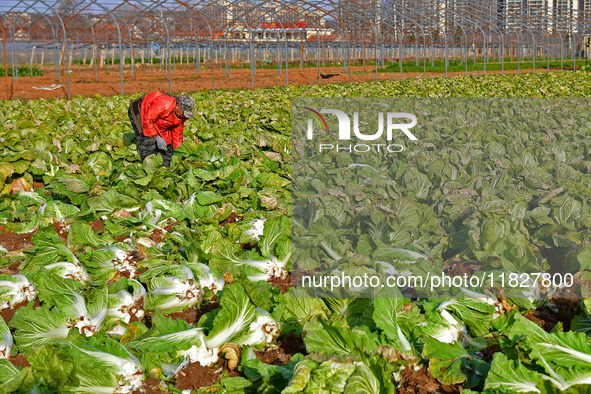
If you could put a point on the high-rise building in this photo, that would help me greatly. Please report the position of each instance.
(363, 18)
(549, 15)
(224, 12)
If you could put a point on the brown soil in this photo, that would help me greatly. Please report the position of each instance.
(233, 218)
(97, 226)
(461, 268)
(247, 246)
(120, 238)
(11, 269)
(282, 284)
(187, 315)
(195, 376)
(135, 256)
(150, 386)
(296, 276)
(141, 271)
(287, 346)
(20, 185)
(292, 344)
(139, 306)
(223, 363)
(205, 308)
(82, 80)
(192, 315)
(38, 185)
(157, 235)
(554, 261)
(13, 241)
(547, 318)
(60, 229)
(489, 352)
(19, 361)
(422, 382)
(533, 316)
(8, 313)
(148, 319)
(572, 291)
(169, 227)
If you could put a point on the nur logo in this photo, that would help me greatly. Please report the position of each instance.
(345, 124)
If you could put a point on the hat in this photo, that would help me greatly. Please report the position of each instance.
(187, 104)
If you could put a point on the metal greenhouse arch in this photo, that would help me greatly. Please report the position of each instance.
(224, 35)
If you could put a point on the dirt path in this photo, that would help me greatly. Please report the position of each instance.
(82, 82)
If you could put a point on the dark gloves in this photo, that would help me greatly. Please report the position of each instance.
(161, 143)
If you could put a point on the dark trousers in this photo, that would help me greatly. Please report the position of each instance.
(146, 145)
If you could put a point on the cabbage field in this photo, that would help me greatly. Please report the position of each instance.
(118, 276)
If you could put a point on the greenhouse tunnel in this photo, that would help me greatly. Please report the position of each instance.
(214, 38)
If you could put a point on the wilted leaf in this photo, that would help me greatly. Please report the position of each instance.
(20, 185)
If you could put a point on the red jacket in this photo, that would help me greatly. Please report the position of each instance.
(158, 118)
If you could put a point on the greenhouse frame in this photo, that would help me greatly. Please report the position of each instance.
(287, 35)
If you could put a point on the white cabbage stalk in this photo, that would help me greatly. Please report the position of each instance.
(231, 329)
(127, 305)
(404, 343)
(118, 330)
(6, 346)
(389, 270)
(153, 210)
(186, 290)
(441, 332)
(69, 271)
(181, 339)
(272, 268)
(146, 242)
(40, 327)
(252, 235)
(533, 291)
(168, 369)
(41, 209)
(195, 353)
(7, 341)
(57, 212)
(17, 291)
(122, 262)
(238, 317)
(485, 298)
(187, 295)
(455, 329)
(88, 325)
(129, 372)
(207, 280)
(202, 354)
(262, 331)
(150, 210)
(446, 334)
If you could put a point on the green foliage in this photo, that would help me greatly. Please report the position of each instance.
(180, 286)
(493, 65)
(22, 71)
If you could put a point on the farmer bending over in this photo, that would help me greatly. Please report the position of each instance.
(158, 120)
